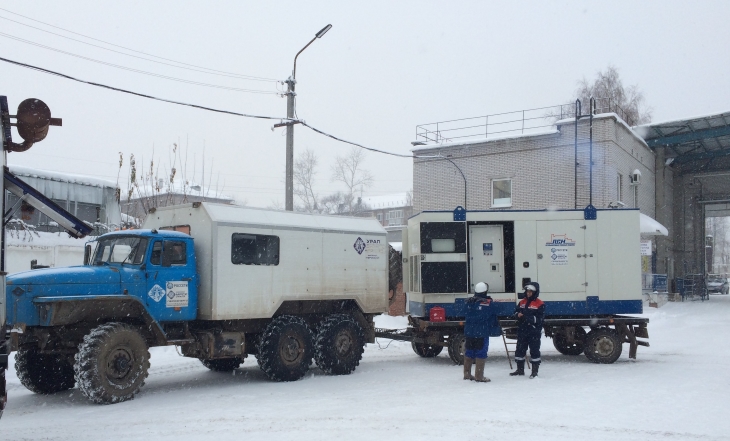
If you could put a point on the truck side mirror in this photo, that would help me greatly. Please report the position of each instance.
(167, 255)
(87, 254)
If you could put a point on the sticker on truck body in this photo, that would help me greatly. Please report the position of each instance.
(177, 294)
(156, 293)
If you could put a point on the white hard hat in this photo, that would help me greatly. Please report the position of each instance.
(530, 288)
(481, 287)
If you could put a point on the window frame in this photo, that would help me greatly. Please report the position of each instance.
(511, 193)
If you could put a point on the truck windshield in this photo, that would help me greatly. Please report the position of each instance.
(127, 249)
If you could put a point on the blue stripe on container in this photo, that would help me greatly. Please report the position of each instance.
(593, 306)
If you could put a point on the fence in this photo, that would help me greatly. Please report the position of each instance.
(521, 122)
(653, 282)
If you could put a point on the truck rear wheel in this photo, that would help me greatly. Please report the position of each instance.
(457, 348)
(339, 345)
(222, 364)
(603, 345)
(560, 341)
(285, 350)
(426, 350)
(112, 363)
(43, 373)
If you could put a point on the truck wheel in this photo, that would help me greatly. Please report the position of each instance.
(426, 351)
(43, 373)
(339, 345)
(222, 364)
(112, 363)
(456, 348)
(285, 350)
(603, 346)
(560, 341)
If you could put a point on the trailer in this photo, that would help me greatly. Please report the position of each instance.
(586, 261)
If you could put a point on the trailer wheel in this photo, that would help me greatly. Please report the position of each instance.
(457, 348)
(222, 364)
(112, 363)
(339, 345)
(560, 341)
(425, 350)
(603, 346)
(43, 373)
(285, 349)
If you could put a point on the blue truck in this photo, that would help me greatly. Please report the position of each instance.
(218, 281)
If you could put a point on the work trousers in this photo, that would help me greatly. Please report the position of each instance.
(532, 341)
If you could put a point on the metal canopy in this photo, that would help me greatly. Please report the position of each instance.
(75, 227)
(692, 139)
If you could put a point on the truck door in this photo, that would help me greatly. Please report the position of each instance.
(561, 259)
(486, 251)
(172, 290)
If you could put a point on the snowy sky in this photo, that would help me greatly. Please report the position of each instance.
(383, 68)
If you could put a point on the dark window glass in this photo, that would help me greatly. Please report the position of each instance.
(179, 256)
(254, 249)
(156, 256)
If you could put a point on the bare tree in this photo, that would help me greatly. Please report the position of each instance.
(349, 170)
(608, 87)
(305, 169)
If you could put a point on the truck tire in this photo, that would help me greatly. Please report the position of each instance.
(560, 341)
(456, 348)
(286, 349)
(112, 363)
(339, 345)
(43, 373)
(222, 364)
(603, 345)
(425, 350)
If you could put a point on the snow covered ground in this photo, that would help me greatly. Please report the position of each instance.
(677, 389)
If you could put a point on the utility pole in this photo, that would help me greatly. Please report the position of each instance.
(290, 97)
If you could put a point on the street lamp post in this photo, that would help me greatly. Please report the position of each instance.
(290, 96)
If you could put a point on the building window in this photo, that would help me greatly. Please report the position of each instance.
(394, 217)
(619, 187)
(254, 249)
(501, 193)
(379, 216)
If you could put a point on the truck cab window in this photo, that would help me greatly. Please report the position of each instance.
(177, 253)
(156, 256)
(254, 249)
(120, 249)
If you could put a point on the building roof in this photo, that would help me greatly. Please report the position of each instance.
(70, 178)
(690, 139)
(394, 200)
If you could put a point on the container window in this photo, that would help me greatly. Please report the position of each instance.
(254, 249)
(443, 245)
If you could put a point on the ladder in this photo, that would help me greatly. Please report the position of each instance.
(507, 350)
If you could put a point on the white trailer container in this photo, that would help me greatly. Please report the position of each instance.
(587, 264)
(319, 258)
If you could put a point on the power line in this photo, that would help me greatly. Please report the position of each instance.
(243, 77)
(116, 89)
(136, 51)
(166, 77)
(40, 69)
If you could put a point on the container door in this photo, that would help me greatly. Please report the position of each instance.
(561, 258)
(486, 256)
(172, 290)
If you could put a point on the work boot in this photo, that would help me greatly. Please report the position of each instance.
(520, 368)
(467, 368)
(479, 371)
(535, 368)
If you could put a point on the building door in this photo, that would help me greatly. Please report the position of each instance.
(561, 257)
(486, 251)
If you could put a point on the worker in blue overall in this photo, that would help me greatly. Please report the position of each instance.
(530, 313)
(480, 319)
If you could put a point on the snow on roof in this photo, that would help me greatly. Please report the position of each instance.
(650, 227)
(387, 201)
(236, 214)
(148, 189)
(615, 116)
(41, 239)
(71, 178)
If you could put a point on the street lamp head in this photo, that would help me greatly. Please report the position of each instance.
(323, 31)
